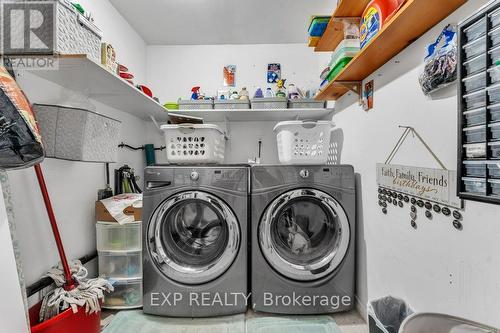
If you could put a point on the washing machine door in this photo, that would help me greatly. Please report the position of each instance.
(304, 234)
(193, 237)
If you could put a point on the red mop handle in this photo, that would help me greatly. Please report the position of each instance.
(70, 282)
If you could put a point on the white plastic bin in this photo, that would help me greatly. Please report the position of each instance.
(231, 104)
(127, 294)
(475, 47)
(494, 93)
(494, 55)
(475, 82)
(494, 149)
(115, 237)
(476, 30)
(475, 134)
(494, 169)
(495, 186)
(475, 185)
(120, 265)
(495, 18)
(475, 100)
(194, 143)
(475, 65)
(196, 104)
(495, 131)
(475, 117)
(303, 142)
(269, 103)
(475, 168)
(495, 36)
(494, 112)
(494, 73)
(476, 150)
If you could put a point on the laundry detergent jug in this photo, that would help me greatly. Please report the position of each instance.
(374, 17)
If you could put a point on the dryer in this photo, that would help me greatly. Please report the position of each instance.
(303, 234)
(195, 240)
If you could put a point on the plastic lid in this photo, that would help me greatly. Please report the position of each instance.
(494, 143)
(194, 126)
(483, 109)
(471, 145)
(304, 122)
(474, 128)
(473, 179)
(474, 162)
(494, 106)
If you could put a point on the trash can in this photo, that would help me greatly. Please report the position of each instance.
(385, 315)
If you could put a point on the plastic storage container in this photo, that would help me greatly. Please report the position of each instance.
(475, 48)
(495, 18)
(475, 82)
(475, 100)
(495, 131)
(303, 142)
(269, 103)
(196, 105)
(306, 103)
(120, 265)
(475, 117)
(475, 185)
(494, 186)
(494, 149)
(475, 168)
(476, 30)
(494, 169)
(494, 112)
(475, 65)
(194, 143)
(115, 237)
(476, 150)
(494, 73)
(232, 104)
(475, 134)
(494, 93)
(495, 36)
(495, 55)
(127, 294)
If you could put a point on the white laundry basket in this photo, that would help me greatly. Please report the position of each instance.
(194, 143)
(303, 142)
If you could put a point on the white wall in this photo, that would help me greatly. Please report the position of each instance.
(435, 268)
(73, 185)
(173, 70)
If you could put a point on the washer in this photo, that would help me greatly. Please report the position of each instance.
(195, 240)
(303, 233)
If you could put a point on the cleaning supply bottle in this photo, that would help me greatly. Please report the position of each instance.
(375, 16)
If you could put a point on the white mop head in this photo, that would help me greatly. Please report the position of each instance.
(88, 292)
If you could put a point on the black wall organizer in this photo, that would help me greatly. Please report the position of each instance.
(479, 54)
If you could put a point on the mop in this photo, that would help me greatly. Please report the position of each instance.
(73, 289)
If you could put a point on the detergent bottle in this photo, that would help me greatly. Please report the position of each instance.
(375, 16)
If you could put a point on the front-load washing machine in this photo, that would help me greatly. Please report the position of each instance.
(195, 240)
(303, 233)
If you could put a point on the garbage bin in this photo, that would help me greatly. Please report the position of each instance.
(385, 315)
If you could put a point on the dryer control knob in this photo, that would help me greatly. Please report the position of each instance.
(195, 175)
(304, 173)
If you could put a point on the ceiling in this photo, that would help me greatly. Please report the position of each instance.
(200, 22)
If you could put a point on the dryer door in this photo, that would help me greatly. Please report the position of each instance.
(193, 237)
(304, 234)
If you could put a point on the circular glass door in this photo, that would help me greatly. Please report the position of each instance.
(304, 234)
(193, 237)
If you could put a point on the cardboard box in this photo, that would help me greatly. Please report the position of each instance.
(102, 214)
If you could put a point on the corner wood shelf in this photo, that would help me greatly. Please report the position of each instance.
(245, 115)
(412, 20)
(80, 74)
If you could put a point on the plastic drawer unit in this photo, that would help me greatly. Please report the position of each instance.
(494, 149)
(475, 134)
(494, 93)
(494, 112)
(476, 65)
(495, 18)
(475, 31)
(495, 131)
(475, 47)
(475, 168)
(475, 100)
(115, 237)
(495, 186)
(475, 117)
(494, 73)
(495, 36)
(120, 265)
(127, 294)
(475, 185)
(475, 82)
(476, 150)
(494, 169)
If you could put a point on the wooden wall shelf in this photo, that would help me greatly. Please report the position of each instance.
(414, 19)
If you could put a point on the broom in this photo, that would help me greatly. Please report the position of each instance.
(72, 290)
